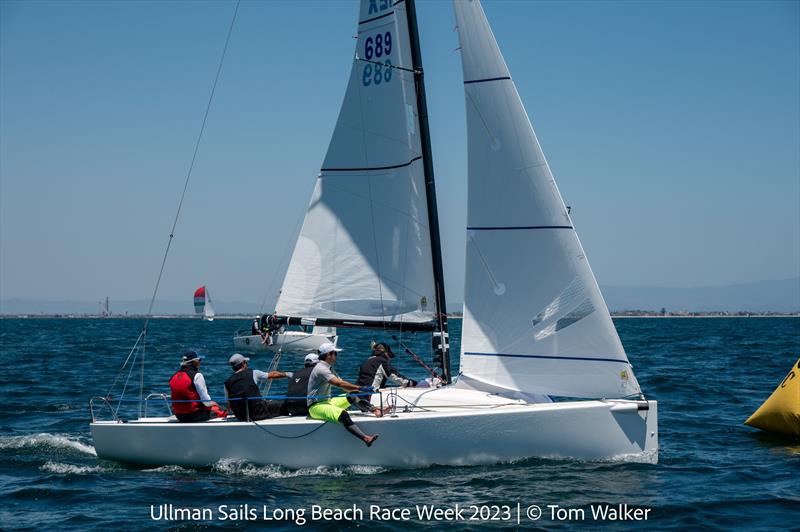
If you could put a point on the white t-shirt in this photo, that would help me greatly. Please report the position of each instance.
(202, 390)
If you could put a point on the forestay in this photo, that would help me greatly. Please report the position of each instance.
(364, 251)
(534, 319)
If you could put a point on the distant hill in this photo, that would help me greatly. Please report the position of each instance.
(762, 296)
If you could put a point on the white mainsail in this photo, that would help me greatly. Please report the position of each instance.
(364, 251)
(208, 310)
(534, 319)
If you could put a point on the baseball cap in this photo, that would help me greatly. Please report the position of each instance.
(311, 359)
(237, 359)
(326, 348)
(189, 356)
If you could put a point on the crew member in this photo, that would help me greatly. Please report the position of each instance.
(273, 324)
(322, 406)
(191, 402)
(243, 384)
(377, 369)
(296, 404)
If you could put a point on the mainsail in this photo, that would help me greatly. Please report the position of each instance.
(534, 319)
(202, 303)
(364, 252)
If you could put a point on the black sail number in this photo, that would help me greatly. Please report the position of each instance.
(378, 45)
(378, 69)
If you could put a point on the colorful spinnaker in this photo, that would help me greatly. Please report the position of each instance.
(202, 303)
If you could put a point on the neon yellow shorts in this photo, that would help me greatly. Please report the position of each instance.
(329, 409)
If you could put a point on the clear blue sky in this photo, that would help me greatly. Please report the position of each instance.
(673, 130)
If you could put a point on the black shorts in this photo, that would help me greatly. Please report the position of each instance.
(195, 417)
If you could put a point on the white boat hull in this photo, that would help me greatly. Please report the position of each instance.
(454, 427)
(286, 341)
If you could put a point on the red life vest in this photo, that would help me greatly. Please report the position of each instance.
(182, 387)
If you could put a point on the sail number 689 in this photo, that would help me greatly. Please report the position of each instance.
(378, 46)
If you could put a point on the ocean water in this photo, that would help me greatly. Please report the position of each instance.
(707, 374)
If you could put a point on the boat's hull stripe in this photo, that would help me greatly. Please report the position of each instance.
(549, 357)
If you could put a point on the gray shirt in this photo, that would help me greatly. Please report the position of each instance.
(319, 382)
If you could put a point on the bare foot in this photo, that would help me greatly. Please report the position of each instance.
(369, 440)
(378, 412)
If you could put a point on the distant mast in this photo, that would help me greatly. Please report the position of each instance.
(104, 311)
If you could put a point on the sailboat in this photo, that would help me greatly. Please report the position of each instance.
(202, 304)
(308, 339)
(543, 372)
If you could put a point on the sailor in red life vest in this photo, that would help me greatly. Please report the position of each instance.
(188, 387)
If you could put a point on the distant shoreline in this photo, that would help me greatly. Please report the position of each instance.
(712, 315)
(622, 314)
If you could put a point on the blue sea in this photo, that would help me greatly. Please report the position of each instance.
(707, 374)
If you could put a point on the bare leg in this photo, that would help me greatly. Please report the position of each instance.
(352, 428)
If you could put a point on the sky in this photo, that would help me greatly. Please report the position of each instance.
(672, 129)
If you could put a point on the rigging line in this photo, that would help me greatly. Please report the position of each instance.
(273, 366)
(191, 165)
(116, 379)
(183, 194)
(141, 375)
(388, 65)
(125, 387)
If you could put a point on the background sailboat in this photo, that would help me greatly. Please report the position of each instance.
(202, 304)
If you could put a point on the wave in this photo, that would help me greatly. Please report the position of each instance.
(70, 469)
(168, 469)
(47, 442)
(246, 469)
(646, 457)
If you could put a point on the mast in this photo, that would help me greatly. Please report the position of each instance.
(441, 347)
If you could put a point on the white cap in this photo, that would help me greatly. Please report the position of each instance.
(237, 359)
(326, 348)
(312, 358)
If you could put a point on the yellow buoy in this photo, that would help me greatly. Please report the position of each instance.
(781, 412)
